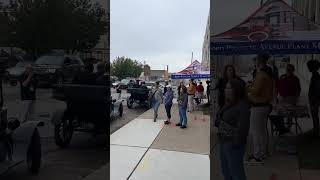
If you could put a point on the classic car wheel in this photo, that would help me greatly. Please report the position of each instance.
(121, 110)
(63, 132)
(34, 153)
(130, 103)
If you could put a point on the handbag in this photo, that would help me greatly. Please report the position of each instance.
(151, 97)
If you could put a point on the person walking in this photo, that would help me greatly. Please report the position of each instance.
(183, 105)
(261, 96)
(28, 92)
(199, 93)
(165, 89)
(156, 98)
(208, 90)
(314, 94)
(191, 94)
(168, 97)
(233, 127)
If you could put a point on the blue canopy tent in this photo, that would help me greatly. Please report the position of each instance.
(193, 71)
(275, 28)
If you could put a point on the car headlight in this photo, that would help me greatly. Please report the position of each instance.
(51, 70)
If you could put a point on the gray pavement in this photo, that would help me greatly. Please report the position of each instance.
(81, 159)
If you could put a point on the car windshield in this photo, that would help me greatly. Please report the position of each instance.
(22, 64)
(125, 81)
(50, 60)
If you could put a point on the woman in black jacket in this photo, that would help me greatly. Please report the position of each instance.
(233, 122)
(229, 74)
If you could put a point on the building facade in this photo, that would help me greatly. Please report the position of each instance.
(206, 48)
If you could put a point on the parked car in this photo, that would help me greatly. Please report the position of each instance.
(57, 69)
(150, 84)
(14, 73)
(115, 84)
(124, 84)
(86, 111)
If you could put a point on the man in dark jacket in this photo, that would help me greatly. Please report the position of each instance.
(314, 93)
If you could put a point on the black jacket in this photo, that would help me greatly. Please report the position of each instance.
(233, 122)
(28, 92)
(314, 88)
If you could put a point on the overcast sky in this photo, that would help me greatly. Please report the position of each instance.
(160, 32)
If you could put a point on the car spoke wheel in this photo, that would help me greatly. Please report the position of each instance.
(34, 153)
(63, 132)
(130, 103)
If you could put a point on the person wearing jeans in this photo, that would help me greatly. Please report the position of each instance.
(168, 97)
(191, 93)
(233, 121)
(261, 96)
(156, 98)
(183, 105)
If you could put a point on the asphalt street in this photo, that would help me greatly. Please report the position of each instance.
(85, 154)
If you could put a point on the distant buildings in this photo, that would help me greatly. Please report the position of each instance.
(153, 75)
(206, 48)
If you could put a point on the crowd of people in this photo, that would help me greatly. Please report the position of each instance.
(187, 96)
(244, 110)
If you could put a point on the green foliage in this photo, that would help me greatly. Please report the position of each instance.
(39, 26)
(124, 67)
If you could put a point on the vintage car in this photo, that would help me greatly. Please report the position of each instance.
(87, 110)
(138, 95)
(19, 142)
(116, 107)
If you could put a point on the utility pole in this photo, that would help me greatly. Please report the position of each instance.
(192, 58)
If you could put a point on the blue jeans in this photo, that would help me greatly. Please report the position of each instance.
(232, 162)
(155, 106)
(168, 110)
(183, 115)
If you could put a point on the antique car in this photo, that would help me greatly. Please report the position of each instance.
(87, 110)
(116, 107)
(19, 141)
(138, 95)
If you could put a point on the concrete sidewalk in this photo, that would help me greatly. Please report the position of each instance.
(100, 174)
(144, 150)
